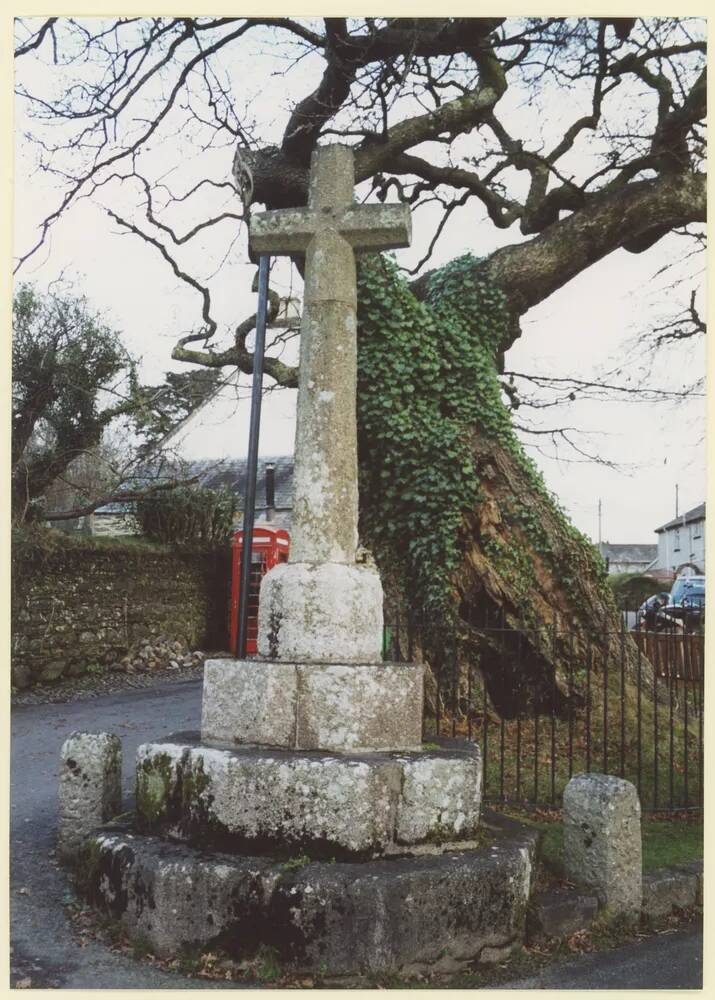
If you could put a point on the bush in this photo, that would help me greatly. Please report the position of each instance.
(188, 515)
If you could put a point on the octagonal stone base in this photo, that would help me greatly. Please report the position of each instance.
(350, 707)
(326, 805)
(321, 613)
(401, 915)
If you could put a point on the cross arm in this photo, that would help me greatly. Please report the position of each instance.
(376, 227)
(283, 231)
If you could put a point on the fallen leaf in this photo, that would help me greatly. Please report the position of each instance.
(23, 984)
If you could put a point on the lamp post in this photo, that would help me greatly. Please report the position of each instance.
(249, 507)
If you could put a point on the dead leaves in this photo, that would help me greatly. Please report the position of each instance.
(581, 942)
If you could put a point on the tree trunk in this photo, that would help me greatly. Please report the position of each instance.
(532, 606)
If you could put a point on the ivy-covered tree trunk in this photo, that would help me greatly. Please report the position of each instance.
(465, 532)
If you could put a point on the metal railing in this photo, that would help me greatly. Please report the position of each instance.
(632, 711)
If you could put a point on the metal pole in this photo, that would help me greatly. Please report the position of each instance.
(249, 506)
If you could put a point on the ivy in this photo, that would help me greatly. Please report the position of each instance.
(427, 375)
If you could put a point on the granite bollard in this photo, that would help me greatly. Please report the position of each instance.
(602, 840)
(90, 787)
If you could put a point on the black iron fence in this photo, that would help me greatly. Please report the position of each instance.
(631, 705)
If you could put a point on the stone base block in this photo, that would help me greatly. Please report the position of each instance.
(321, 613)
(350, 707)
(694, 868)
(322, 805)
(402, 915)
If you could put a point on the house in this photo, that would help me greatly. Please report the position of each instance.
(627, 558)
(274, 493)
(681, 543)
(111, 519)
(274, 485)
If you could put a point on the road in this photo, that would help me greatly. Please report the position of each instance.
(672, 961)
(45, 948)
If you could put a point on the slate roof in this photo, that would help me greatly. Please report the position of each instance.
(696, 514)
(230, 474)
(628, 553)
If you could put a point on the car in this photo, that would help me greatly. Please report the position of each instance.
(687, 601)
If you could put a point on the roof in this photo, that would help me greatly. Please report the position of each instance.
(232, 474)
(228, 474)
(118, 507)
(696, 514)
(628, 553)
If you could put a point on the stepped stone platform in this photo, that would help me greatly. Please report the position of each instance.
(328, 804)
(400, 915)
(351, 864)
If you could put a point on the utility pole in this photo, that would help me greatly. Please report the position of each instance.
(676, 499)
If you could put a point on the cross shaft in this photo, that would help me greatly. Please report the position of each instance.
(328, 232)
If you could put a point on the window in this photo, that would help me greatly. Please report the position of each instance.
(676, 540)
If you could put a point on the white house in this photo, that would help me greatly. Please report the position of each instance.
(681, 543)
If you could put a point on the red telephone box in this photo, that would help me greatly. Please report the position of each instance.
(270, 546)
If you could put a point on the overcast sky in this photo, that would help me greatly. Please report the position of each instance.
(586, 329)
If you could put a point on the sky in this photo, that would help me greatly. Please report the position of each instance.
(587, 328)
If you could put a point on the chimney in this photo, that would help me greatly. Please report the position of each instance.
(270, 490)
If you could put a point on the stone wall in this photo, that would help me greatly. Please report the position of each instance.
(79, 604)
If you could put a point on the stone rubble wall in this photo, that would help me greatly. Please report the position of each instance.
(87, 608)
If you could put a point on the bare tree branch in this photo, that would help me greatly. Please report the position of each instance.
(118, 496)
(36, 40)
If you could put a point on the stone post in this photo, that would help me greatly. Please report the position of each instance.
(90, 787)
(602, 840)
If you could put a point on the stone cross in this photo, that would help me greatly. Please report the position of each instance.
(329, 232)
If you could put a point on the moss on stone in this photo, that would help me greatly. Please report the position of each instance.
(85, 866)
(192, 784)
(154, 780)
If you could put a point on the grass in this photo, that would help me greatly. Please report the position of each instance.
(671, 842)
(300, 861)
(666, 841)
(38, 542)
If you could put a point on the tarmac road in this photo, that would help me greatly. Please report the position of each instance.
(672, 961)
(45, 949)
